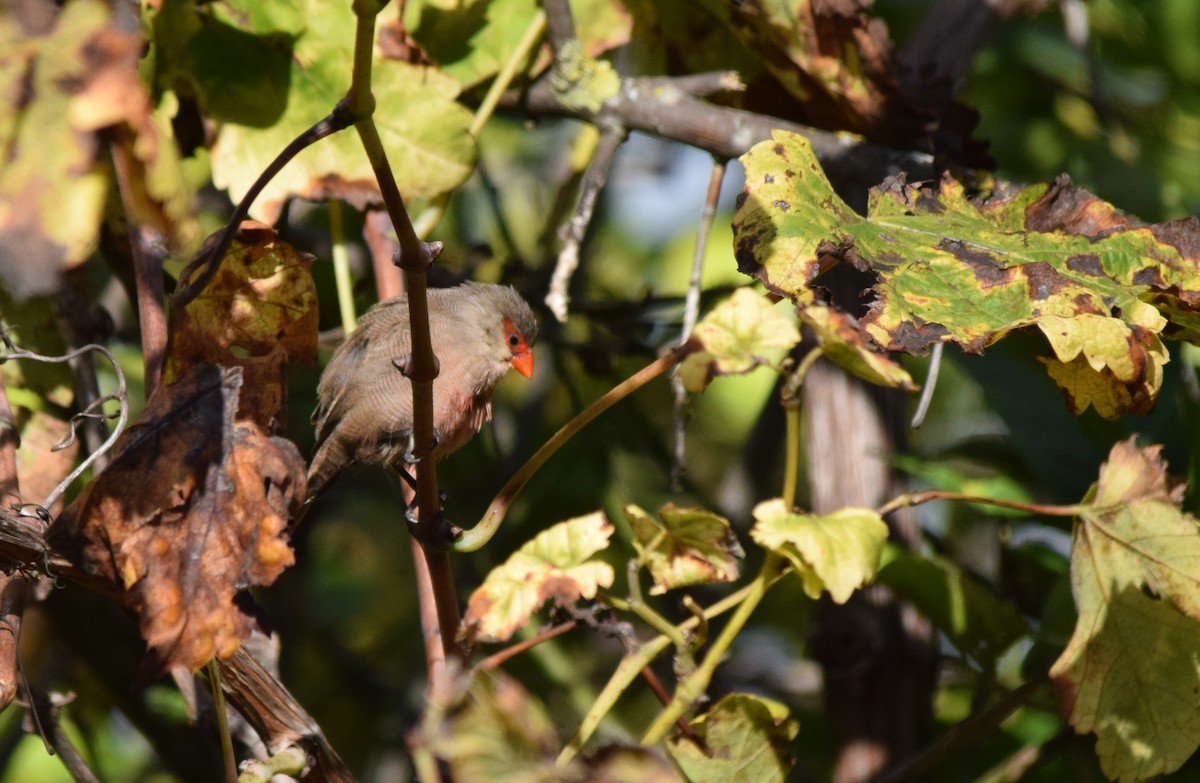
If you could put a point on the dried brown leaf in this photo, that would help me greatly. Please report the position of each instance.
(192, 511)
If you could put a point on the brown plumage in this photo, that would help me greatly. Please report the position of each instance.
(364, 404)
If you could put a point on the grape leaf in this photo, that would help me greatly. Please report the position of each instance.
(741, 333)
(423, 128)
(489, 729)
(838, 552)
(745, 738)
(192, 510)
(684, 546)
(553, 566)
(1129, 673)
(950, 269)
(258, 312)
(844, 343)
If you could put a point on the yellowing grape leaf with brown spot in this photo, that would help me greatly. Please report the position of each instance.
(838, 552)
(741, 333)
(1130, 672)
(684, 546)
(954, 269)
(555, 566)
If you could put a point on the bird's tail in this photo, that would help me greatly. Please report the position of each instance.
(330, 459)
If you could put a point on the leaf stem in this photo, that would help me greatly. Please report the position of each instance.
(630, 669)
(533, 34)
(917, 498)
(483, 531)
(341, 267)
(689, 690)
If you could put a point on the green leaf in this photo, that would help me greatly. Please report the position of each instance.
(1130, 673)
(554, 566)
(950, 269)
(685, 546)
(975, 620)
(489, 729)
(741, 333)
(838, 552)
(423, 128)
(746, 739)
(234, 59)
(471, 40)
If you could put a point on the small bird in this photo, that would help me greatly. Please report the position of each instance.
(364, 407)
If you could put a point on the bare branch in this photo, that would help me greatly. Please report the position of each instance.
(573, 231)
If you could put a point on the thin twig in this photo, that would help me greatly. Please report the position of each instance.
(218, 696)
(691, 313)
(560, 25)
(665, 108)
(95, 409)
(48, 710)
(572, 233)
(917, 498)
(414, 259)
(495, 660)
(483, 531)
(209, 258)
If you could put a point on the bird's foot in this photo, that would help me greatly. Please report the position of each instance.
(436, 531)
(411, 445)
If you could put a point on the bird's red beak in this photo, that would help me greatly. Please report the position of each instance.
(523, 362)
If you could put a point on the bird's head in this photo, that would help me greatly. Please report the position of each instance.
(520, 346)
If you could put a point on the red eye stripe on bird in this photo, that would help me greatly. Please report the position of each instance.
(364, 404)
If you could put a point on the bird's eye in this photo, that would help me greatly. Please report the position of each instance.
(514, 340)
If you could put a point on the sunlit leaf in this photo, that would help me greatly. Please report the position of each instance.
(684, 546)
(1130, 672)
(746, 739)
(838, 552)
(741, 333)
(423, 128)
(952, 269)
(844, 343)
(554, 566)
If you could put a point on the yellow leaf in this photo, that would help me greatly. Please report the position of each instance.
(741, 333)
(688, 546)
(1130, 672)
(1107, 363)
(838, 552)
(554, 566)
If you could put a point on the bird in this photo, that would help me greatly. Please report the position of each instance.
(364, 409)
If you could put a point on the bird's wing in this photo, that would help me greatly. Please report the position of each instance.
(387, 322)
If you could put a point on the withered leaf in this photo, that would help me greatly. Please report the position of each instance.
(192, 511)
(258, 312)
